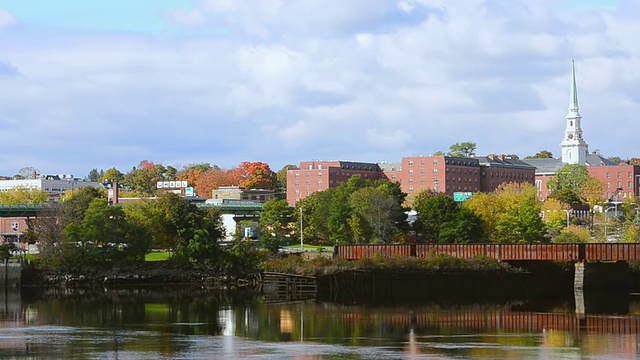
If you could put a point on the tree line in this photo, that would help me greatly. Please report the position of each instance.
(84, 230)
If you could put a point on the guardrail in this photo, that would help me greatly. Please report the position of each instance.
(534, 252)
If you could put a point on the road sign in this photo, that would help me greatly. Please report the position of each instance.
(462, 196)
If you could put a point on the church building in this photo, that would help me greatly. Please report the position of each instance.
(625, 181)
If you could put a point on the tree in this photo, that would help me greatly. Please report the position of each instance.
(433, 210)
(617, 160)
(511, 214)
(543, 154)
(192, 172)
(212, 179)
(28, 172)
(112, 174)
(93, 175)
(340, 211)
(315, 209)
(463, 149)
(280, 183)
(143, 179)
(22, 195)
(275, 220)
(568, 184)
(254, 175)
(555, 215)
(378, 210)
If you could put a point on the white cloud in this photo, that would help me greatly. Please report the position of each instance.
(287, 81)
(7, 19)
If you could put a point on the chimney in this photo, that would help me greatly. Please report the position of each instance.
(491, 156)
(501, 157)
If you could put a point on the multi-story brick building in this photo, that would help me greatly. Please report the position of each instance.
(439, 173)
(315, 176)
(620, 181)
(500, 169)
(449, 175)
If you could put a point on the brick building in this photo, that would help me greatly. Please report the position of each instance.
(315, 176)
(620, 181)
(500, 169)
(448, 175)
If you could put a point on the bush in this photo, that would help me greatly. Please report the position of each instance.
(573, 234)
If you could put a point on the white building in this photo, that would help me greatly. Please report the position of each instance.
(55, 185)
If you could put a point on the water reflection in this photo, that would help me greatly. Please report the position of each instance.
(193, 323)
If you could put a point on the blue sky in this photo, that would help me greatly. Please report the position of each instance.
(88, 84)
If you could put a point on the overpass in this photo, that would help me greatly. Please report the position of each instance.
(21, 210)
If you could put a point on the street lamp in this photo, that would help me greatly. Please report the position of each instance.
(301, 236)
(568, 213)
(605, 220)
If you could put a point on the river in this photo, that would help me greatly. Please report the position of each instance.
(187, 323)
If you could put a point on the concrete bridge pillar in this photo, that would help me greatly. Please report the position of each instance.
(599, 284)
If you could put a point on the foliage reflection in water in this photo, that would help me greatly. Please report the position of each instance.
(192, 323)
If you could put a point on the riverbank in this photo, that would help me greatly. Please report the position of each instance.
(142, 274)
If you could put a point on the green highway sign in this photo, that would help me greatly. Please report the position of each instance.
(462, 196)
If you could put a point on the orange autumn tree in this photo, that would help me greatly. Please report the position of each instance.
(254, 175)
(213, 179)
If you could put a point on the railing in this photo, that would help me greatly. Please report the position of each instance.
(506, 252)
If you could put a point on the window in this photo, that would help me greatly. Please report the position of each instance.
(410, 171)
(608, 186)
(435, 162)
(410, 189)
(320, 174)
(320, 166)
(310, 166)
(436, 188)
(308, 174)
(411, 181)
(297, 183)
(297, 191)
(393, 176)
(608, 176)
(422, 180)
(435, 171)
(619, 184)
(619, 175)
(422, 162)
(423, 171)
(319, 183)
(629, 184)
(410, 162)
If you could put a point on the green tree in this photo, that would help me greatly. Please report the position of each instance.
(112, 174)
(275, 220)
(378, 210)
(21, 195)
(341, 213)
(93, 175)
(465, 228)
(316, 212)
(568, 184)
(463, 149)
(511, 214)
(543, 154)
(433, 210)
(617, 160)
(280, 183)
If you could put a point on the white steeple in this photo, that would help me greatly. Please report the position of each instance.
(574, 149)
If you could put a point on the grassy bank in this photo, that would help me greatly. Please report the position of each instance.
(436, 264)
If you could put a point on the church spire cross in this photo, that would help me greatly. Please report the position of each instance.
(573, 102)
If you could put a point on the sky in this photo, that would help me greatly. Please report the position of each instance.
(102, 84)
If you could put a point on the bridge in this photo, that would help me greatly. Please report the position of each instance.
(21, 210)
(31, 210)
(502, 252)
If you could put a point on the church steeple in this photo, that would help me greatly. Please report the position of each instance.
(573, 102)
(574, 149)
